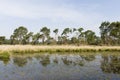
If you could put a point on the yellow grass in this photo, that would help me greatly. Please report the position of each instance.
(55, 48)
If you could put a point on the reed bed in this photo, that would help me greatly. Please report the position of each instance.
(55, 48)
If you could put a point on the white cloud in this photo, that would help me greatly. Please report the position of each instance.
(27, 10)
(10, 8)
(54, 13)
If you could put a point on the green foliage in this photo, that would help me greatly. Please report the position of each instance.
(19, 35)
(5, 57)
(2, 39)
(74, 40)
(110, 33)
(56, 33)
(45, 34)
(90, 36)
(35, 38)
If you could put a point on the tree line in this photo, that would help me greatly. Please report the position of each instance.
(109, 35)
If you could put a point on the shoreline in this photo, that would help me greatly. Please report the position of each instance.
(55, 48)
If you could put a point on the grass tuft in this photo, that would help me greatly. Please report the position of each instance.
(4, 55)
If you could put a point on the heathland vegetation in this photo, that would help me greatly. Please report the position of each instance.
(70, 40)
(109, 35)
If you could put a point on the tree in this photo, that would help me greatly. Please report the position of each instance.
(80, 36)
(90, 37)
(74, 40)
(80, 33)
(27, 38)
(46, 33)
(114, 33)
(104, 32)
(110, 33)
(19, 34)
(56, 32)
(65, 33)
(59, 40)
(2, 39)
(80, 30)
(12, 39)
(35, 38)
(74, 29)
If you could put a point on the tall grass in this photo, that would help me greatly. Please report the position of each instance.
(56, 48)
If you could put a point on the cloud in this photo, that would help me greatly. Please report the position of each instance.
(10, 8)
(64, 13)
(25, 10)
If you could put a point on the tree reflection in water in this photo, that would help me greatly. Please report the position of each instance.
(55, 61)
(5, 60)
(60, 67)
(20, 61)
(45, 60)
(88, 57)
(110, 64)
(66, 61)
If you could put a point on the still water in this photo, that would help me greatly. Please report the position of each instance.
(76, 66)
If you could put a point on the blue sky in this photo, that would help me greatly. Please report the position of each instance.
(35, 14)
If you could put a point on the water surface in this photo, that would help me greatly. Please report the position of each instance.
(59, 66)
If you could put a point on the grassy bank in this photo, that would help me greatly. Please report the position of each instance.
(4, 55)
(55, 48)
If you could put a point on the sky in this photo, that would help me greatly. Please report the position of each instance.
(35, 14)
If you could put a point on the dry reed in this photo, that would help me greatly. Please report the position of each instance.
(55, 48)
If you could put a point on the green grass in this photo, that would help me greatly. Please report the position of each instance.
(4, 55)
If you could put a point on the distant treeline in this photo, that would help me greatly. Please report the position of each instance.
(109, 35)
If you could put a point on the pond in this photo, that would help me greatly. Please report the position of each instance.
(61, 66)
